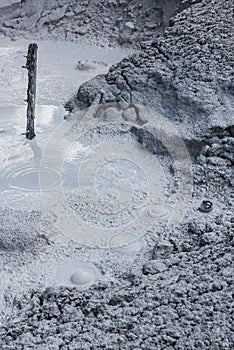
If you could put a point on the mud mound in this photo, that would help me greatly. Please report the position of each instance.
(187, 75)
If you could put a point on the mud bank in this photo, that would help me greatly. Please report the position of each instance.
(187, 75)
(125, 22)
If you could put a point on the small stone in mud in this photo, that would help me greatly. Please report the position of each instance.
(130, 25)
(208, 238)
(162, 249)
(154, 266)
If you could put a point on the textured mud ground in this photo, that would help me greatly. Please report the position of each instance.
(177, 293)
(115, 22)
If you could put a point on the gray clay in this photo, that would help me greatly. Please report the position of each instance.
(155, 286)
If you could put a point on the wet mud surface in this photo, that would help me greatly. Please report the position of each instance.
(143, 169)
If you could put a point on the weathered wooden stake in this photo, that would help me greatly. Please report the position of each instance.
(31, 66)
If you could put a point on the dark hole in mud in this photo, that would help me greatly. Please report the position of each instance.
(221, 132)
(206, 206)
(231, 130)
(194, 147)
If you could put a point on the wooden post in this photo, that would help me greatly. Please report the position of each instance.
(31, 66)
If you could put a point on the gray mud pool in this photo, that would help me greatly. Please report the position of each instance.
(20, 172)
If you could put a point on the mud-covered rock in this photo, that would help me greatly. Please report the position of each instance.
(154, 266)
(163, 249)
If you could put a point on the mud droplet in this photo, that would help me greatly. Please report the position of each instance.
(206, 206)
